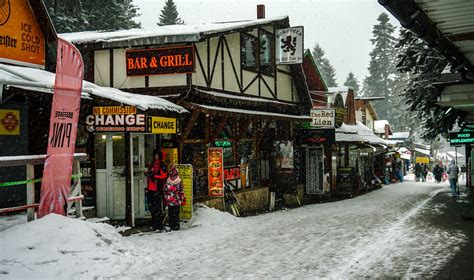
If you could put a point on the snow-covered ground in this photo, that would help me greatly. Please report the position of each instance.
(377, 235)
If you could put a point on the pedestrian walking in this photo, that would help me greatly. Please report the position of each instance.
(174, 197)
(424, 172)
(157, 175)
(417, 171)
(453, 173)
(438, 173)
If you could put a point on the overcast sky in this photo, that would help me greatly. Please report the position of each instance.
(343, 28)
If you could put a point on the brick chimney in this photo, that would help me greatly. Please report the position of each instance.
(260, 11)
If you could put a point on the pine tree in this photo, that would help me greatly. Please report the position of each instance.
(424, 66)
(327, 70)
(351, 81)
(83, 15)
(169, 14)
(382, 69)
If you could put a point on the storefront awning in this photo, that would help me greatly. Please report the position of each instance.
(247, 113)
(43, 81)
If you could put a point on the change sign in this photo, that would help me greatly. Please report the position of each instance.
(158, 125)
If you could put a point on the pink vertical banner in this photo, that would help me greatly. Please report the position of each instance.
(62, 130)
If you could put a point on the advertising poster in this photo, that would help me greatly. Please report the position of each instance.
(171, 156)
(216, 172)
(21, 38)
(185, 171)
(422, 160)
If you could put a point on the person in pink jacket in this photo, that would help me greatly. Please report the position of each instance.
(173, 194)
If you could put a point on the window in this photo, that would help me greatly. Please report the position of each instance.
(257, 53)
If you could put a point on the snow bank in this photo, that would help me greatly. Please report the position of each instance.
(52, 247)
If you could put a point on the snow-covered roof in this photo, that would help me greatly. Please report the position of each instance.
(238, 97)
(162, 34)
(379, 126)
(339, 89)
(399, 135)
(43, 81)
(422, 151)
(251, 112)
(347, 133)
(367, 134)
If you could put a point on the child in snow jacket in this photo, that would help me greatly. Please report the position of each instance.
(157, 175)
(174, 197)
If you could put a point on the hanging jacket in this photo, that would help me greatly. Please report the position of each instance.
(173, 190)
(157, 175)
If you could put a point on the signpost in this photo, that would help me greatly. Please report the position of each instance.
(457, 138)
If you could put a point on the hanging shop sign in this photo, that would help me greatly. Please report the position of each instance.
(159, 125)
(9, 122)
(323, 118)
(185, 172)
(216, 172)
(160, 61)
(289, 45)
(422, 160)
(21, 39)
(116, 119)
(465, 137)
(318, 136)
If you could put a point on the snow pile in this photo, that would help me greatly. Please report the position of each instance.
(53, 247)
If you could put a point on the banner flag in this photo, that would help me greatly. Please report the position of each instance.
(62, 130)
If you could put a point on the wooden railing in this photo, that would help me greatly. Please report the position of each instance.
(30, 161)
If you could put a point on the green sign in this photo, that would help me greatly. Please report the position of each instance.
(465, 137)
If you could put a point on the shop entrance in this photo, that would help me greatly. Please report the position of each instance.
(314, 170)
(111, 177)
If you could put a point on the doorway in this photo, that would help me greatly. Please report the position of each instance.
(314, 170)
(111, 177)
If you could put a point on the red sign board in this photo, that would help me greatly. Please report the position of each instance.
(216, 172)
(160, 61)
(232, 173)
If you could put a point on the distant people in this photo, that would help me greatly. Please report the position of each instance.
(417, 171)
(157, 174)
(424, 172)
(453, 173)
(438, 173)
(174, 197)
(463, 172)
(399, 171)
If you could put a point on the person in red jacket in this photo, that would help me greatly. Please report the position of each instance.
(157, 175)
(174, 197)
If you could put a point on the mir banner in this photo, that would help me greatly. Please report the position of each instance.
(62, 130)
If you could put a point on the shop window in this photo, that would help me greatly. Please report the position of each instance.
(118, 150)
(100, 151)
(257, 53)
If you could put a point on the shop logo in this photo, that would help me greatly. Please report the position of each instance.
(4, 11)
(62, 115)
(10, 122)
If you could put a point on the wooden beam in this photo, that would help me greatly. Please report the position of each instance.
(468, 36)
(218, 130)
(190, 123)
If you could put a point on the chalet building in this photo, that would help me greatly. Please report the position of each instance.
(244, 106)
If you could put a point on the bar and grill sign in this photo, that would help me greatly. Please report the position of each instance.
(160, 61)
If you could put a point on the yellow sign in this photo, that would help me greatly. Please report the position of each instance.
(114, 110)
(9, 122)
(171, 156)
(185, 171)
(21, 39)
(157, 125)
(422, 160)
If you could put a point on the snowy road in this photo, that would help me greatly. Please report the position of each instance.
(377, 234)
(384, 233)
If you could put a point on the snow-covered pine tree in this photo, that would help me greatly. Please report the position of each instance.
(424, 65)
(327, 70)
(382, 68)
(83, 15)
(169, 14)
(351, 81)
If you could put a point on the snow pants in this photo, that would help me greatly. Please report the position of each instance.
(155, 205)
(173, 217)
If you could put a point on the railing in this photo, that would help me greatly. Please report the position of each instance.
(75, 195)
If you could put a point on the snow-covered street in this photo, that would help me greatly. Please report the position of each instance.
(384, 233)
